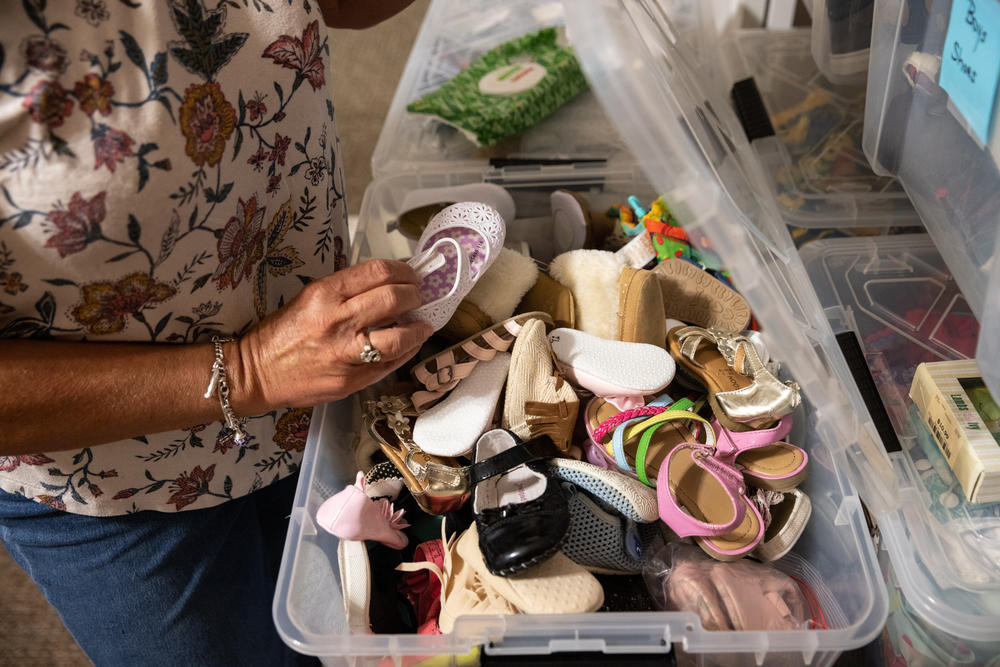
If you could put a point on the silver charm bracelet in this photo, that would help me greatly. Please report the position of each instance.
(219, 385)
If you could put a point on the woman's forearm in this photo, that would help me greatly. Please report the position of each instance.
(63, 395)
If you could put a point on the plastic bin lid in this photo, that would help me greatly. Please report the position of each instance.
(692, 148)
(814, 159)
(578, 132)
(915, 131)
(896, 294)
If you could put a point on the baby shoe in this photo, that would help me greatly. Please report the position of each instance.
(521, 514)
(419, 206)
(440, 373)
(555, 586)
(623, 373)
(355, 580)
(456, 249)
(538, 400)
(352, 515)
(626, 495)
(600, 538)
(494, 297)
(785, 515)
(384, 480)
(549, 296)
(613, 301)
(742, 390)
(592, 277)
(451, 427)
(574, 225)
(423, 588)
(693, 295)
(463, 590)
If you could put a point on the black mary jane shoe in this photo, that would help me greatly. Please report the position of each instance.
(521, 514)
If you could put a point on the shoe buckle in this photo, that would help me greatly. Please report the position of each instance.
(445, 375)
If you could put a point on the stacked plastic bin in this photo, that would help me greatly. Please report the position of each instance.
(914, 131)
(658, 120)
(841, 35)
(812, 156)
(944, 551)
(642, 53)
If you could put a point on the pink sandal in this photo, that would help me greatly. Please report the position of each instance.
(766, 462)
(701, 496)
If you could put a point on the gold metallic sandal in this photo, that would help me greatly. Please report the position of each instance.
(744, 395)
(438, 484)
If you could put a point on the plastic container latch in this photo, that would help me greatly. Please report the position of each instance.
(750, 110)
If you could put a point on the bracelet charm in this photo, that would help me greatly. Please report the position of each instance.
(219, 386)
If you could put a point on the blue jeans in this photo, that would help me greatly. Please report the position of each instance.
(192, 588)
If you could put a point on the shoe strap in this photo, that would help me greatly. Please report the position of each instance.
(727, 343)
(731, 444)
(448, 546)
(649, 428)
(449, 372)
(617, 446)
(541, 447)
(625, 415)
(620, 436)
(681, 521)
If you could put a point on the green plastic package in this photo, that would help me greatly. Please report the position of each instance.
(507, 90)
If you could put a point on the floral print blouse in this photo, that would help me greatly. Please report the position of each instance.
(168, 171)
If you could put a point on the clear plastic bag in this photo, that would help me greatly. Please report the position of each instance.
(738, 595)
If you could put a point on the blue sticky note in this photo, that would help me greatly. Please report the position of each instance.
(970, 64)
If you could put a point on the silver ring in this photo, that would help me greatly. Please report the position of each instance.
(369, 354)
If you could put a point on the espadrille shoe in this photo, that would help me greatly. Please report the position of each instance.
(538, 401)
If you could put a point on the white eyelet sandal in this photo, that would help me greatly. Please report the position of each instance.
(455, 250)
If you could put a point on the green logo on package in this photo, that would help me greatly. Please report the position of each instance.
(512, 79)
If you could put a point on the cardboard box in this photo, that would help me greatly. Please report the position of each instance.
(965, 421)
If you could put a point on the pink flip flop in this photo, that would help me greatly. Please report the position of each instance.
(455, 250)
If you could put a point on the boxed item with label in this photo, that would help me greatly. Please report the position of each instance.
(965, 420)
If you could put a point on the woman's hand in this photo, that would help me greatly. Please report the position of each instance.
(309, 351)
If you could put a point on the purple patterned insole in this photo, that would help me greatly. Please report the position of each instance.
(438, 283)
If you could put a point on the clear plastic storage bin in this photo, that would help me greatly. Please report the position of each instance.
(914, 131)
(814, 161)
(909, 639)
(677, 136)
(841, 36)
(897, 295)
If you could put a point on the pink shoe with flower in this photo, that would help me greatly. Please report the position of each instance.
(352, 515)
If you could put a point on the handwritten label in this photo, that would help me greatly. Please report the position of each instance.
(970, 64)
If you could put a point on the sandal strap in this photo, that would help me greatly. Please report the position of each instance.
(649, 428)
(537, 448)
(625, 415)
(731, 444)
(616, 447)
(449, 372)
